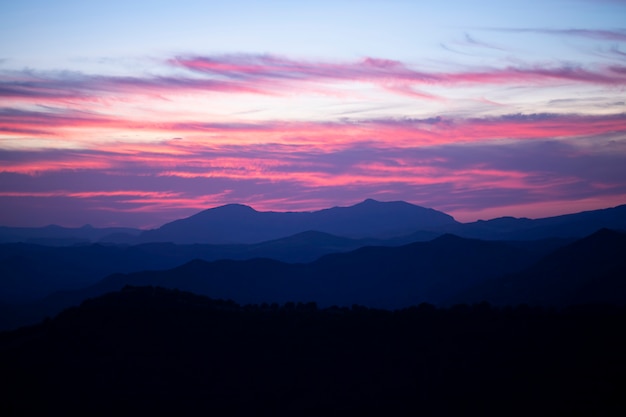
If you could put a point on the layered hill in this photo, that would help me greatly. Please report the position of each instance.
(586, 271)
(590, 270)
(371, 219)
(384, 277)
(54, 235)
(575, 225)
(446, 270)
(29, 271)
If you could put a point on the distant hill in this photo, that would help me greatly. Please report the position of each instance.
(54, 235)
(370, 219)
(384, 277)
(448, 269)
(590, 270)
(235, 223)
(576, 225)
(29, 271)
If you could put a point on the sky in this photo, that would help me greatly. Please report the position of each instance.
(136, 113)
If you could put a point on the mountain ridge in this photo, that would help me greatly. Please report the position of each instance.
(242, 224)
(589, 270)
(383, 277)
(236, 223)
(446, 269)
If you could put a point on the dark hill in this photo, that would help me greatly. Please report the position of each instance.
(150, 351)
(385, 277)
(590, 270)
(308, 246)
(28, 271)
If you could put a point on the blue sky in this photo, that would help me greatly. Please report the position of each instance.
(50, 34)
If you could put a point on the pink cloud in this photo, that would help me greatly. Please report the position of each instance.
(323, 135)
(464, 178)
(267, 74)
(89, 194)
(53, 87)
(609, 35)
(448, 162)
(50, 122)
(382, 72)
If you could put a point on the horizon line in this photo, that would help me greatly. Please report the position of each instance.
(90, 225)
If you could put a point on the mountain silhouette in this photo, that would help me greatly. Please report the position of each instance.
(446, 270)
(383, 273)
(54, 235)
(576, 225)
(590, 270)
(153, 351)
(236, 223)
(31, 271)
(381, 277)
(370, 219)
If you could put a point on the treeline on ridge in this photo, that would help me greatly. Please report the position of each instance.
(166, 352)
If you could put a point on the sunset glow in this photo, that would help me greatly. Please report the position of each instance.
(525, 117)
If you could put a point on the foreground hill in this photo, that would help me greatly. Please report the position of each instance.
(156, 352)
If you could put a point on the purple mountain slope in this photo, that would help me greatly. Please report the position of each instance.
(575, 225)
(240, 224)
(235, 223)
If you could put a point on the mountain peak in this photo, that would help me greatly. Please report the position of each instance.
(370, 201)
(238, 223)
(233, 207)
(603, 236)
(373, 202)
(448, 238)
(606, 232)
(227, 209)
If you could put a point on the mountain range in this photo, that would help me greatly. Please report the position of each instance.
(447, 270)
(383, 277)
(236, 223)
(31, 271)
(397, 277)
(398, 310)
(385, 255)
(240, 224)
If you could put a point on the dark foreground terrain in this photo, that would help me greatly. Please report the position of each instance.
(151, 351)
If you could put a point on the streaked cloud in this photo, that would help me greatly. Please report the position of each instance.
(398, 131)
(293, 108)
(607, 35)
(544, 157)
(267, 74)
